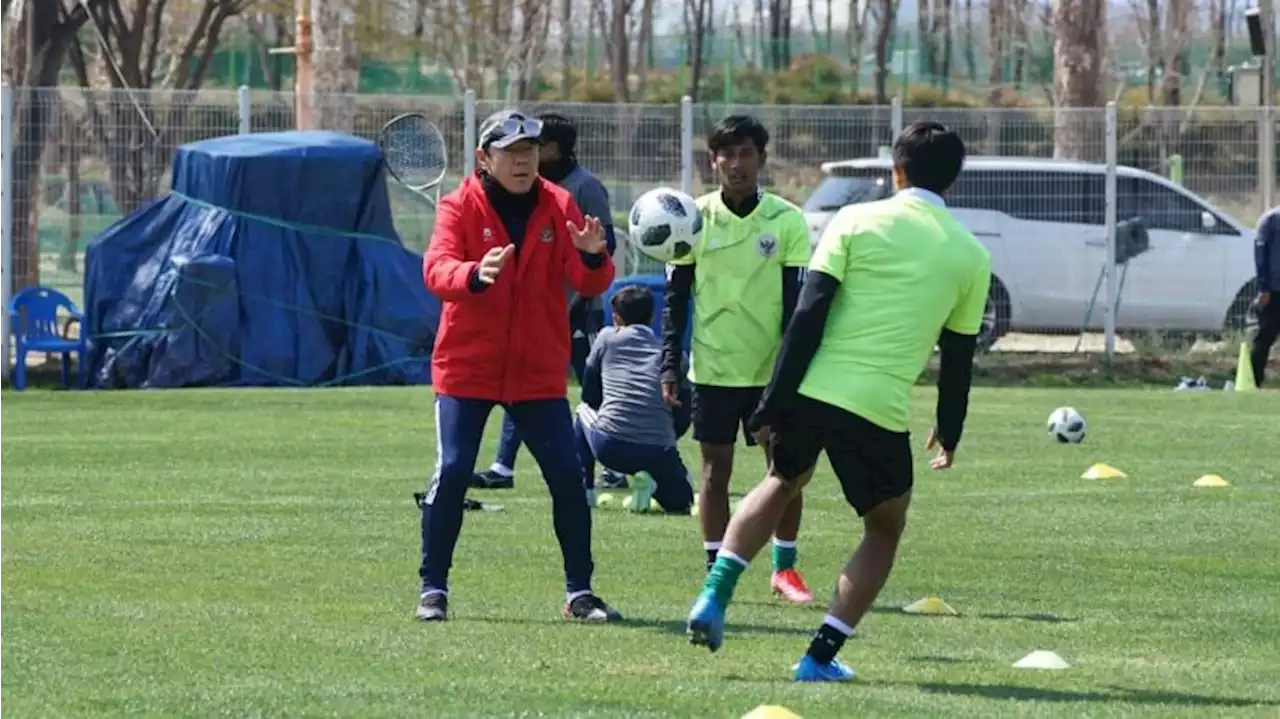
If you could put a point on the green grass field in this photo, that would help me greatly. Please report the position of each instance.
(253, 554)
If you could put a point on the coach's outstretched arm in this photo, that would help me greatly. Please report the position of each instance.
(447, 275)
(957, 345)
(799, 344)
(675, 321)
(587, 265)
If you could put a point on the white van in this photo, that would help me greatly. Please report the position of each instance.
(1043, 221)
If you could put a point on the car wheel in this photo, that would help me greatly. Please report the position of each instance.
(995, 318)
(1242, 316)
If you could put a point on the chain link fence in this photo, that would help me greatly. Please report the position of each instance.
(77, 160)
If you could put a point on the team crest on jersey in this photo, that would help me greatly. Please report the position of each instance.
(488, 235)
(767, 244)
(546, 234)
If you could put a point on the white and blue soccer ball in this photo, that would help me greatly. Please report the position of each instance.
(1067, 425)
(665, 224)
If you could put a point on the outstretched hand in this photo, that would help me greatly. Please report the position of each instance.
(493, 262)
(590, 237)
(945, 458)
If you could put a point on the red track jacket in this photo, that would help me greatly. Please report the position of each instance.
(509, 342)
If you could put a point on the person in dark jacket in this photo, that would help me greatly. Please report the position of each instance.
(505, 244)
(558, 162)
(1266, 257)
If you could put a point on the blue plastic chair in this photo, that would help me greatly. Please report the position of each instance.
(33, 316)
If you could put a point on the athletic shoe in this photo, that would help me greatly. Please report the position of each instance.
(789, 585)
(610, 479)
(432, 607)
(590, 608)
(706, 623)
(642, 495)
(490, 479)
(809, 670)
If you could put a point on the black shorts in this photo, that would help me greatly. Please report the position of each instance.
(872, 463)
(718, 412)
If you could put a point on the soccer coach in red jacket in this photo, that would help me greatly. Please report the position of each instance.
(505, 244)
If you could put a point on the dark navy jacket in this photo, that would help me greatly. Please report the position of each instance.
(1266, 251)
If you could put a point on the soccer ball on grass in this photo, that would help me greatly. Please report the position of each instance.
(1067, 425)
(665, 224)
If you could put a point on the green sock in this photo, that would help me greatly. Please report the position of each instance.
(723, 579)
(784, 557)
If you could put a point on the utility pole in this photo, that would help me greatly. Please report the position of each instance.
(1268, 99)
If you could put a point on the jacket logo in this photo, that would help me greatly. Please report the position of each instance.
(767, 244)
(488, 235)
(546, 234)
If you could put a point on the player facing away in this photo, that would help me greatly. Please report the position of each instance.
(744, 278)
(505, 243)
(623, 421)
(888, 281)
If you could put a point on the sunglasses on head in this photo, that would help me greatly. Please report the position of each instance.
(511, 126)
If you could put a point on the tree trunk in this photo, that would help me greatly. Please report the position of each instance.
(947, 43)
(853, 38)
(336, 58)
(71, 142)
(1155, 51)
(698, 30)
(620, 61)
(645, 48)
(970, 54)
(566, 49)
(884, 32)
(1077, 75)
(47, 35)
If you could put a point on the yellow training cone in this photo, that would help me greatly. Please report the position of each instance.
(1103, 471)
(930, 605)
(1245, 381)
(769, 711)
(1210, 480)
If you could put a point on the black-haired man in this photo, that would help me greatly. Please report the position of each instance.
(888, 281)
(623, 421)
(504, 245)
(743, 278)
(558, 162)
(1266, 257)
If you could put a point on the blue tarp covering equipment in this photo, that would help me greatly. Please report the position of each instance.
(273, 262)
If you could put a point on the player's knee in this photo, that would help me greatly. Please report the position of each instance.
(717, 465)
(888, 520)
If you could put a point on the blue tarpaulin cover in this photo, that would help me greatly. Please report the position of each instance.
(273, 262)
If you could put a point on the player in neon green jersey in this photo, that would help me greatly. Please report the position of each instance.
(888, 281)
(743, 279)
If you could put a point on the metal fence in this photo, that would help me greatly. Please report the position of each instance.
(76, 160)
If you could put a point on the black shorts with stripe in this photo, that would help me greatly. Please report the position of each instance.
(872, 463)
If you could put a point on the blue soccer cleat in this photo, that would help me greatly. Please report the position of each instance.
(706, 623)
(809, 670)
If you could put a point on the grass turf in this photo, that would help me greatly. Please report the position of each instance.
(253, 553)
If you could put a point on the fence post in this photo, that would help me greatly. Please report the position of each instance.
(895, 116)
(686, 145)
(6, 219)
(468, 132)
(246, 109)
(1110, 220)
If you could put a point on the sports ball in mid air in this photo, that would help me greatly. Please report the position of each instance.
(665, 224)
(1067, 425)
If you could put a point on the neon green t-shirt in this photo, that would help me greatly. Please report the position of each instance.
(737, 288)
(907, 269)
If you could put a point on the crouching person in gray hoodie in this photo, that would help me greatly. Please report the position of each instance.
(623, 423)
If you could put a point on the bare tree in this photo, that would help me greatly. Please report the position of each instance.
(970, 54)
(698, 14)
(779, 34)
(336, 60)
(566, 47)
(885, 13)
(855, 35)
(144, 45)
(645, 47)
(45, 31)
(1078, 64)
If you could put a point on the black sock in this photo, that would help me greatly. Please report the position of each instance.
(711, 558)
(826, 644)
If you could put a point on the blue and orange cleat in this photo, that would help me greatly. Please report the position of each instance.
(809, 670)
(706, 623)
